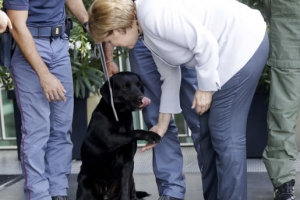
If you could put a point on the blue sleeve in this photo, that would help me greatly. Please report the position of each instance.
(16, 4)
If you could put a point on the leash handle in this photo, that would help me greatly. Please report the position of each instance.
(99, 53)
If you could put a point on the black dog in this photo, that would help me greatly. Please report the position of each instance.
(108, 150)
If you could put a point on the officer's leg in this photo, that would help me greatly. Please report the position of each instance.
(281, 152)
(188, 88)
(59, 148)
(35, 112)
(167, 156)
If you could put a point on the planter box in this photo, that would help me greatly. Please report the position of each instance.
(79, 125)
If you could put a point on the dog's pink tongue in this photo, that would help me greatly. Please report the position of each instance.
(146, 101)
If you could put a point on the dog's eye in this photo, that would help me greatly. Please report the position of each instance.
(125, 88)
(139, 85)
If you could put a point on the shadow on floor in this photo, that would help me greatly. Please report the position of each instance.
(259, 187)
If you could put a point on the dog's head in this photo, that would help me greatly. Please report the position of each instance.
(128, 92)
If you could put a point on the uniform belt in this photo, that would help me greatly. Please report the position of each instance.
(47, 31)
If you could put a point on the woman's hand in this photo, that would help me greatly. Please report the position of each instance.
(202, 101)
(161, 128)
(160, 131)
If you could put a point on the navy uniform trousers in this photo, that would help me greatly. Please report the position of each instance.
(167, 156)
(46, 147)
(223, 132)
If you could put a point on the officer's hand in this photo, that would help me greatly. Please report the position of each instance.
(4, 22)
(53, 89)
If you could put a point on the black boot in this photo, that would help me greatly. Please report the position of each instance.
(165, 197)
(60, 198)
(285, 191)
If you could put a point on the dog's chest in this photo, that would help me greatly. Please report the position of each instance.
(123, 126)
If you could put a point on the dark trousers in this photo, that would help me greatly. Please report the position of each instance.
(167, 156)
(223, 132)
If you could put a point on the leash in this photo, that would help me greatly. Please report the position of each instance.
(99, 53)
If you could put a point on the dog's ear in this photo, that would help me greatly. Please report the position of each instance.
(104, 91)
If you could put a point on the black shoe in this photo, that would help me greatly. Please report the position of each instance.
(165, 197)
(60, 198)
(285, 191)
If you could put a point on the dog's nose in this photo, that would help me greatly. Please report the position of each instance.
(141, 100)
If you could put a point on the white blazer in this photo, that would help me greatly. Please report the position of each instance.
(216, 37)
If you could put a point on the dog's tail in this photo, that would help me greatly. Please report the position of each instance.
(141, 194)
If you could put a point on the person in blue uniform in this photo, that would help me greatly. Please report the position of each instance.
(42, 76)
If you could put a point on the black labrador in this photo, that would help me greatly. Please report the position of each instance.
(109, 147)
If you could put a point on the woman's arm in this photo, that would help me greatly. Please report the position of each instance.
(173, 25)
(179, 28)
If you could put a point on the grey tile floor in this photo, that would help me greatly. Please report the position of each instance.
(259, 185)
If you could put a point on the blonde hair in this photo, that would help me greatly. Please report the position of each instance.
(108, 15)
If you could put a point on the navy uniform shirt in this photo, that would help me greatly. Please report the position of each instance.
(40, 12)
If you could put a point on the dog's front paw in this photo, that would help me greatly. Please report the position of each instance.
(152, 137)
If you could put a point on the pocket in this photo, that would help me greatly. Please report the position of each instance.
(284, 31)
(281, 149)
(65, 37)
(65, 41)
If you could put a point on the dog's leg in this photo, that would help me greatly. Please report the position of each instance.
(126, 176)
(132, 188)
(116, 139)
(87, 189)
